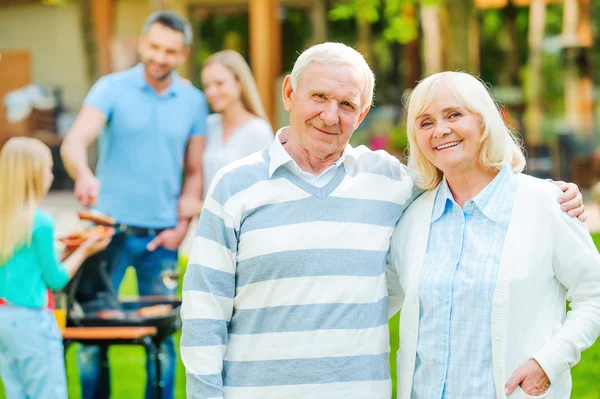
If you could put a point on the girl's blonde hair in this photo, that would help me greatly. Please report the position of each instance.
(234, 61)
(22, 169)
(499, 143)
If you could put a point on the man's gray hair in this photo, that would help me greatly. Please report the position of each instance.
(173, 21)
(336, 54)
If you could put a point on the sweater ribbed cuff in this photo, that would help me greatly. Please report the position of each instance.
(551, 362)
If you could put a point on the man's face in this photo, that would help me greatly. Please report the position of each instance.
(161, 50)
(325, 109)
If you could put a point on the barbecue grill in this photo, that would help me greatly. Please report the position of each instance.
(93, 302)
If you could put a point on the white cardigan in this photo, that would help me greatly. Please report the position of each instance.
(547, 258)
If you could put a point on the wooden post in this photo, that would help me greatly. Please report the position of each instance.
(432, 38)
(569, 37)
(181, 8)
(578, 84)
(537, 24)
(474, 45)
(364, 40)
(460, 41)
(265, 52)
(103, 17)
(586, 82)
(318, 16)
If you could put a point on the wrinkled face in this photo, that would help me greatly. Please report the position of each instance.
(325, 109)
(448, 134)
(220, 86)
(162, 49)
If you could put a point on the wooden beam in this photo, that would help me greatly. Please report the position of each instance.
(531, 3)
(265, 52)
(318, 17)
(488, 4)
(17, 2)
(220, 3)
(432, 38)
(103, 21)
(485, 4)
(584, 29)
(534, 114)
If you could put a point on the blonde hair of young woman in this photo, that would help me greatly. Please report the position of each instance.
(23, 162)
(500, 144)
(233, 61)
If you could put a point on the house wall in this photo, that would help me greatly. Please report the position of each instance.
(130, 16)
(52, 35)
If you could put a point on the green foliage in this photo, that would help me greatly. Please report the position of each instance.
(491, 23)
(400, 25)
(401, 28)
(554, 19)
(342, 11)
(399, 139)
(218, 31)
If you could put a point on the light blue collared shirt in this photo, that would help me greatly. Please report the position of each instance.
(456, 288)
(280, 157)
(142, 150)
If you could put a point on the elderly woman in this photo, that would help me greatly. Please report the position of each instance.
(485, 260)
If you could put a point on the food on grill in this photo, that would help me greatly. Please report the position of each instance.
(110, 314)
(154, 311)
(77, 238)
(96, 217)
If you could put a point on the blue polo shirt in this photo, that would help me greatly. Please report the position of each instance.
(142, 148)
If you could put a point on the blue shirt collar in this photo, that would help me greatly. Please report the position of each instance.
(280, 157)
(484, 201)
(142, 83)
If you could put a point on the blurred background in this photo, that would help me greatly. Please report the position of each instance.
(538, 56)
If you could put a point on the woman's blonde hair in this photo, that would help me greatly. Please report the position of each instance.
(499, 143)
(22, 169)
(234, 61)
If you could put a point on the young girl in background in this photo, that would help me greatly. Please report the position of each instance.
(31, 350)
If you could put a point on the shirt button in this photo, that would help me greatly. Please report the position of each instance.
(498, 304)
(443, 339)
(441, 379)
(446, 300)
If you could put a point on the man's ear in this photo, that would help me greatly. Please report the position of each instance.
(183, 55)
(141, 43)
(286, 93)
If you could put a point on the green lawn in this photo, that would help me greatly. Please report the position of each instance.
(129, 378)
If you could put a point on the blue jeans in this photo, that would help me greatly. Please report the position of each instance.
(126, 251)
(31, 354)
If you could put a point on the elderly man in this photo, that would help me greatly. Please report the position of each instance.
(285, 292)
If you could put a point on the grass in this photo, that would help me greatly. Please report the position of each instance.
(129, 377)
